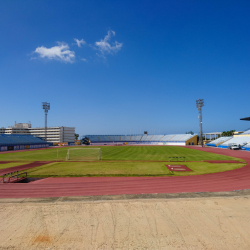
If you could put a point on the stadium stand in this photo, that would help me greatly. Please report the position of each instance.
(19, 139)
(239, 140)
(114, 138)
(136, 138)
(246, 147)
(146, 138)
(16, 142)
(104, 138)
(125, 138)
(177, 137)
(186, 137)
(167, 138)
(157, 137)
(93, 138)
(173, 139)
(246, 132)
(219, 141)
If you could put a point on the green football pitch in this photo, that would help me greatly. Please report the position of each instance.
(116, 153)
(119, 161)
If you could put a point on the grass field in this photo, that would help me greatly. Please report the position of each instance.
(118, 153)
(75, 169)
(120, 161)
(12, 164)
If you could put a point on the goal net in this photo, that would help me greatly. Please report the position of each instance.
(84, 154)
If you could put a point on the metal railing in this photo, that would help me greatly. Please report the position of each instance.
(14, 176)
(177, 158)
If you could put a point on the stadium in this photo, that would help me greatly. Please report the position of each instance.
(106, 142)
(32, 159)
(26, 160)
(119, 167)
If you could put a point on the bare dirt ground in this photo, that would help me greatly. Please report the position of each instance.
(187, 223)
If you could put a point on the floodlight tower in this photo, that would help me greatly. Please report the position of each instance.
(199, 105)
(46, 107)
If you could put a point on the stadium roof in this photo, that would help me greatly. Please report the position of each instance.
(246, 119)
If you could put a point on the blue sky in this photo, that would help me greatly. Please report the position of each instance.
(122, 67)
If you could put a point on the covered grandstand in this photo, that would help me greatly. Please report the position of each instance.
(173, 139)
(219, 141)
(247, 132)
(242, 139)
(238, 140)
(19, 142)
(246, 147)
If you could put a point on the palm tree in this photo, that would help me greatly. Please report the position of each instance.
(228, 133)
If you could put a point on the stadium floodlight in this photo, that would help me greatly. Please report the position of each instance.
(199, 105)
(46, 107)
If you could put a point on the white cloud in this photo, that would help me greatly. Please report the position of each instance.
(80, 42)
(101, 55)
(105, 47)
(60, 53)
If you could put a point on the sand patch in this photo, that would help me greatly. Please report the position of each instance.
(206, 223)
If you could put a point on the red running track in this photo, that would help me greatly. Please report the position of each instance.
(238, 179)
(23, 167)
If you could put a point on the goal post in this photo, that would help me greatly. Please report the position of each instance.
(84, 154)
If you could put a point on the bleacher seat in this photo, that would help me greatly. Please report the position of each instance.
(140, 138)
(177, 138)
(246, 132)
(10, 139)
(246, 147)
(146, 137)
(167, 137)
(157, 137)
(242, 140)
(104, 138)
(125, 138)
(218, 141)
(114, 138)
(136, 138)
(93, 138)
(186, 137)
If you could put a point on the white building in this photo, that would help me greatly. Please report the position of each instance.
(54, 134)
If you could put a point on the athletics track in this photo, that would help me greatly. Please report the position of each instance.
(238, 179)
(23, 167)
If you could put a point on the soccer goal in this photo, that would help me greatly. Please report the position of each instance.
(84, 154)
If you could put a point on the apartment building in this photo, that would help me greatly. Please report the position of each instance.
(54, 134)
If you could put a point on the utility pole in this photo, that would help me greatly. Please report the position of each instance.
(199, 105)
(46, 107)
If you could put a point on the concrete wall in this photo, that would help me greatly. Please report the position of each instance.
(192, 141)
(241, 135)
